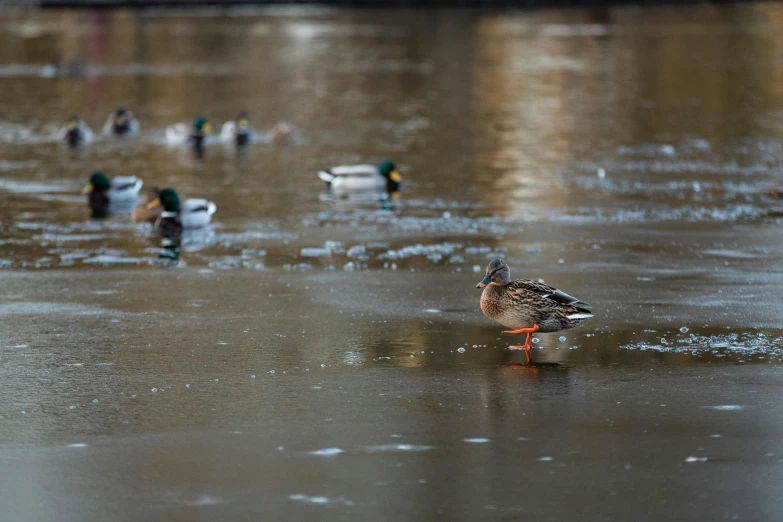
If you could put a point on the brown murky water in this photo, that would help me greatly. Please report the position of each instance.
(304, 362)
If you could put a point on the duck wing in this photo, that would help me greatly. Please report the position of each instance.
(547, 292)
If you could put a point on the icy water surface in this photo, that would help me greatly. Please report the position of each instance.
(315, 358)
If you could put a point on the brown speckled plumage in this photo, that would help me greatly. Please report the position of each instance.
(525, 303)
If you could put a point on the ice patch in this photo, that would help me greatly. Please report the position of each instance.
(320, 500)
(326, 452)
(477, 441)
(696, 459)
(544, 459)
(77, 445)
(718, 345)
(111, 260)
(205, 500)
(396, 447)
(726, 407)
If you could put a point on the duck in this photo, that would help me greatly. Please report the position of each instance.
(196, 134)
(75, 132)
(239, 131)
(528, 306)
(362, 178)
(143, 213)
(121, 122)
(118, 192)
(281, 134)
(192, 213)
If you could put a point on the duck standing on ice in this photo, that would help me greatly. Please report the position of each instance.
(528, 306)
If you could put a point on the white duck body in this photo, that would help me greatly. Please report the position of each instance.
(229, 131)
(177, 134)
(196, 213)
(354, 178)
(124, 188)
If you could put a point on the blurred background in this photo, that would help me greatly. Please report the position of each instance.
(323, 357)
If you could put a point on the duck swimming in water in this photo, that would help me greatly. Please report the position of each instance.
(121, 122)
(192, 213)
(363, 178)
(103, 193)
(528, 306)
(239, 132)
(75, 132)
(195, 135)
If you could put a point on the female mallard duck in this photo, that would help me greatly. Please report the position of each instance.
(281, 134)
(239, 132)
(528, 306)
(367, 178)
(192, 213)
(74, 132)
(144, 211)
(182, 134)
(119, 192)
(121, 122)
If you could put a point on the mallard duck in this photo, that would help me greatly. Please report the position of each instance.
(192, 213)
(121, 122)
(120, 192)
(240, 132)
(144, 213)
(358, 178)
(74, 132)
(281, 134)
(183, 134)
(528, 306)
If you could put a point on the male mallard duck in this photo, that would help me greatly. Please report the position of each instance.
(182, 134)
(357, 178)
(121, 122)
(192, 213)
(528, 306)
(239, 131)
(101, 192)
(74, 132)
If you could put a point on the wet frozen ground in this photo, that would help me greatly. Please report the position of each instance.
(314, 358)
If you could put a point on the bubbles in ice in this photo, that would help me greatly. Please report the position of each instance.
(536, 340)
(684, 329)
(562, 339)
(154, 390)
(461, 349)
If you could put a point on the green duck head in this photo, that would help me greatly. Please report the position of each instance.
(497, 272)
(243, 120)
(201, 124)
(120, 116)
(389, 171)
(98, 182)
(169, 200)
